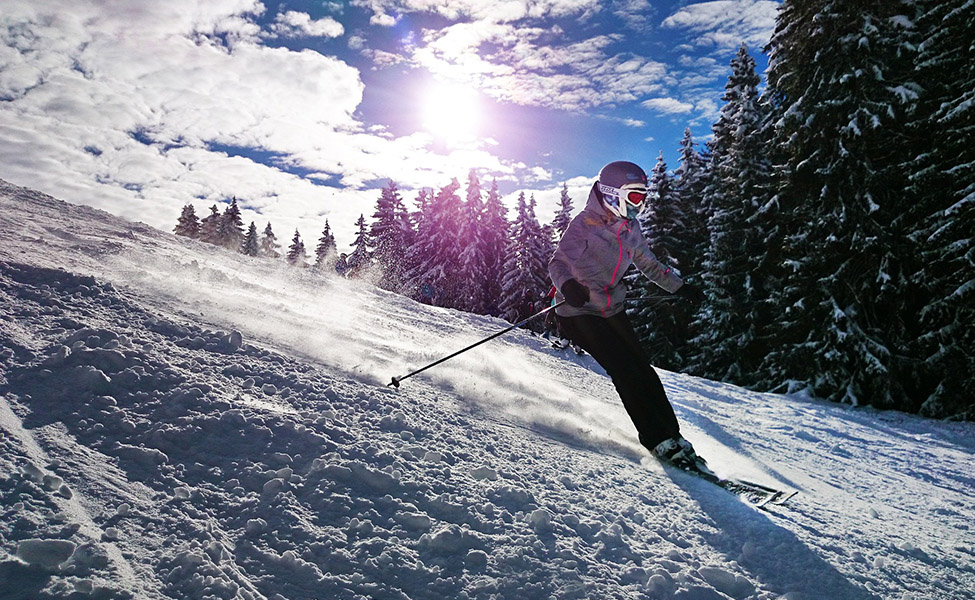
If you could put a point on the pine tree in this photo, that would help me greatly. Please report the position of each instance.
(250, 246)
(732, 342)
(564, 216)
(473, 266)
(390, 237)
(230, 227)
(525, 284)
(663, 326)
(494, 240)
(188, 224)
(269, 243)
(296, 251)
(541, 248)
(209, 226)
(435, 255)
(411, 286)
(360, 260)
(838, 74)
(326, 252)
(943, 178)
(689, 183)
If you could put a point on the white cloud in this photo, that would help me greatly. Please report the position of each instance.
(668, 106)
(134, 121)
(497, 11)
(296, 24)
(531, 66)
(727, 23)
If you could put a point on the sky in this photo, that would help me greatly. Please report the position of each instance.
(304, 110)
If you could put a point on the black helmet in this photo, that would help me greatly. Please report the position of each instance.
(622, 188)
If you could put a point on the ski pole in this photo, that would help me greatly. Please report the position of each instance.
(658, 298)
(396, 380)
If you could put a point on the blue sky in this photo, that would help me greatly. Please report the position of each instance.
(303, 110)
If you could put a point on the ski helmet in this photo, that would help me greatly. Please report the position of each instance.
(622, 187)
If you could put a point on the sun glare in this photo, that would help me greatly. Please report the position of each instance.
(451, 113)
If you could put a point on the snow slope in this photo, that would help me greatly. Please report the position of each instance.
(181, 422)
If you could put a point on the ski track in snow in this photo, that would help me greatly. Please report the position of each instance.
(181, 422)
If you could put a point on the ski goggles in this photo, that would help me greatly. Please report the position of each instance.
(627, 200)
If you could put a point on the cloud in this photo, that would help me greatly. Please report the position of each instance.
(532, 65)
(498, 11)
(668, 106)
(142, 119)
(298, 24)
(727, 23)
(513, 52)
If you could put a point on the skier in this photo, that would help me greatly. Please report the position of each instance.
(342, 265)
(587, 269)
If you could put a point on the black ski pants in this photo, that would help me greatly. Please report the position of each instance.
(615, 346)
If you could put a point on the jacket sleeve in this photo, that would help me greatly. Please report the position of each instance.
(655, 271)
(569, 251)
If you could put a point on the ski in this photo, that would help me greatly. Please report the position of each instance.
(756, 494)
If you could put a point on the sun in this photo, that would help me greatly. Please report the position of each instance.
(451, 113)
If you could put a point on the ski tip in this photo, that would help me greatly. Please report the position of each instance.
(776, 499)
(786, 496)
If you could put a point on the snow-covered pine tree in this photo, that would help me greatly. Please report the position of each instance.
(542, 248)
(326, 252)
(473, 266)
(188, 224)
(494, 240)
(943, 177)
(230, 227)
(411, 261)
(662, 325)
(564, 215)
(838, 74)
(390, 237)
(209, 226)
(360, 260)
(435, 255)
(689, 180)
(732, 327)
(525, 283)
(269, 243)
(250, 245)
(296, 251)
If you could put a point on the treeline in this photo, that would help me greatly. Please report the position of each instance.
(226, 230)
(831, 218)
(450, 251)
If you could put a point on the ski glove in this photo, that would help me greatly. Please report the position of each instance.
(691, 293)
(575, 293)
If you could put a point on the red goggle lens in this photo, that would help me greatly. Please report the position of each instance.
(636, 197)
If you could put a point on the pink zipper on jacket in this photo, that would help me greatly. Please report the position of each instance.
(619, 262)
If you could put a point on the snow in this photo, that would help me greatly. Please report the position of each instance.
(177, 421)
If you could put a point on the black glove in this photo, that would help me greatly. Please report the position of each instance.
(575, 293)
(691, 293)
